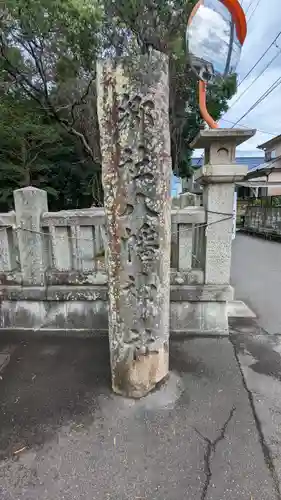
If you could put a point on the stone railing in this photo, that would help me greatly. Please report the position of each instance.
(264, 221)
(53, 276)
(41, 248)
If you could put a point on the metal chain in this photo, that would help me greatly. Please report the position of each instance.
(48, 234)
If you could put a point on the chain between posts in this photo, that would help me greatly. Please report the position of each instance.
(194, 226)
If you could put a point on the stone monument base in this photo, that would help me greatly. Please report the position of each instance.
(142, 375)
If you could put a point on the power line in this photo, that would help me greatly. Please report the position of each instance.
(259, 60)
(242, 126)
(260, 100)
(247, 126)
(254, 81)
(254, 10)
(255, 65)
(249, 6)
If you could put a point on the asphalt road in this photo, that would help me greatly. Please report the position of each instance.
(65, 436)
(256, 276)
(212, 432)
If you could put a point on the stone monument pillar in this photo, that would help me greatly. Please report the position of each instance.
(218, 176)
(133, 113)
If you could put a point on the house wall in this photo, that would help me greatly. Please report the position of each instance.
(273, 177)
(277, 149)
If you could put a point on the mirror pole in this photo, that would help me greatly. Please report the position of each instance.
(203, 107)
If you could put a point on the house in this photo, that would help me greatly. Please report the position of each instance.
(263, 177)
(266, 177)
(251, 162)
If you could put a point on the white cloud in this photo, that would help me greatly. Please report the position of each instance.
(208, 37)
(263, 27)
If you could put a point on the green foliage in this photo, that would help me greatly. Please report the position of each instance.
(35, 152)
(48, 52)
(162, 25)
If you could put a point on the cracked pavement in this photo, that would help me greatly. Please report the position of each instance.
(211, 447)
(256, 276)
(64, 436)
(259, 357)
(213, 432)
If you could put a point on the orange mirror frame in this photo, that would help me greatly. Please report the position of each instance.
(240, 22)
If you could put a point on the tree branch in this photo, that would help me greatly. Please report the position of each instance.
(45, 103)
(80, 101)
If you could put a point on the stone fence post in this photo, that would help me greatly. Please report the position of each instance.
(218, 176)
(133, 112)
(30, 203)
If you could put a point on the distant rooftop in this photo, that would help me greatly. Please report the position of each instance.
(250, 161)
(263, 167)
(270, 143)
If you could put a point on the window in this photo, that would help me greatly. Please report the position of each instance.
(270, 155)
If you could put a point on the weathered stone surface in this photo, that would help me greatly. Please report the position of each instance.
(30, 203)
(85, 217)
(189, 215)
(181, 290)
(5, 255)
(185, 200)
(218, 175)
(89, 318)
(133, 110)
(11, 278)
(20, 293)
(201, 293)
(22, 315)
(76, 278)
(199, 318)
(72, 318)
(192, 277)
(7, 221)
(88, 293)
(216, 139)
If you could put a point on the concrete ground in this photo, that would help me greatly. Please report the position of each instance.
(211, 432)
(256, 276)
(64, 436)
(258, 355)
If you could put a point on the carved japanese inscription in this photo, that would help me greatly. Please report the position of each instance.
(133, 109)
(139, 225)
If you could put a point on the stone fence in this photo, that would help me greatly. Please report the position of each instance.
(263, 221)
(40, 248)
(53, 276)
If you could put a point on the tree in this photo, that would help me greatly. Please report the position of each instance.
(45, 44)
(48, 53)
(162, 25)
(25, 141)
(35, 152)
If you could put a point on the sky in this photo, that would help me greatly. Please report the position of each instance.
(263, 27)
(209, 36)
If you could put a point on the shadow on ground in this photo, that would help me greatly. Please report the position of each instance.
(46, 385)
(195, 438)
